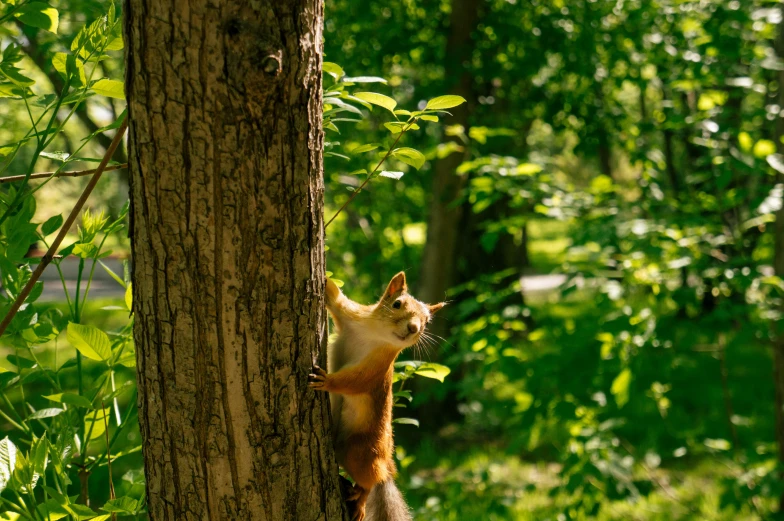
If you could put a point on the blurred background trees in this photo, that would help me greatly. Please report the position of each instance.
(601, 214)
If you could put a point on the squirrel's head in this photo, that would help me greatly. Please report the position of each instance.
(401, 317)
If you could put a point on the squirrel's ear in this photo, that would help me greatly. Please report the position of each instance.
(397, 285)
(435, 307)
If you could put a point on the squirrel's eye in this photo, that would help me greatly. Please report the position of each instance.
(396, 305)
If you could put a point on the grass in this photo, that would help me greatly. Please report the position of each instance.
(488, 483)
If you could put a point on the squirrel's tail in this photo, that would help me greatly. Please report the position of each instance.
(386, 503)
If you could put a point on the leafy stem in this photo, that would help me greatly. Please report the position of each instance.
(372, 174)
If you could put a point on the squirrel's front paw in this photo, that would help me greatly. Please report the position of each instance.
(317, 380)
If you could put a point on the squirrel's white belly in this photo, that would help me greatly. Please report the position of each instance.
(356, 413)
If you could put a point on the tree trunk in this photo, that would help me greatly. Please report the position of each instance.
(225, 147)
(438, 260)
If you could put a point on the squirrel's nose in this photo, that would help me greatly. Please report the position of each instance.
(413, 327)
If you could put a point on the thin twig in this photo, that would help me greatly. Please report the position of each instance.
(46, 259)
(370, 176)
(76, 173)
(112, 495)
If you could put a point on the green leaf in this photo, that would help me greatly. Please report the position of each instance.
(115, 45)
(391, 175)
(51, 225)
(38, 14)
(125, 504)
(90, 341)
(46, 413)
(9, 90)
(129, 297)
(429, 117)
(20, 362)
(364, 79)
(109, 88)
(396, 127)
(342, 104)
(51, 510)
(620, 387)
(406, 421)
(38, 454)
(15, 77)
(335, 154)
(404, 394)
(333, 69)
(409, 156)
(112, 274)
(82, 512)
(7, 461)
(527, 169)
(377, 99)
(58, 156)
(70, 399)
(61, 63)
(365, 148)
(444, 102)
(95, 423)
(434, 371)
(85, 250)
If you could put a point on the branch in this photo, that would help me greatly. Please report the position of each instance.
(76, 173)
(64, 230)
(370, 176)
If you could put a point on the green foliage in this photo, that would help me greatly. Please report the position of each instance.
(630, 146)
(647, 130)
(59, 370)
(340, 98)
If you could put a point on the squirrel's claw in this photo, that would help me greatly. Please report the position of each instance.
(359, 514)
(354, 494)
(317, 379)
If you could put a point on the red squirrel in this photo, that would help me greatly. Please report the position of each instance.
(360, 365)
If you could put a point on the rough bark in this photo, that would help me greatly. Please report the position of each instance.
(225, 147)
(438, 261)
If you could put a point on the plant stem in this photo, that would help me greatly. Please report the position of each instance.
(112, 494)
(11, 421)
(19, 419)
(126, 421)
(63, 230)
(370, 176)
(56, 173)
(92, 269)
(78, 288)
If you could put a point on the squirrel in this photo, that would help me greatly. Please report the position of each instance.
(360, 365)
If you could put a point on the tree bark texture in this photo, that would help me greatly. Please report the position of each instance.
(225, 147)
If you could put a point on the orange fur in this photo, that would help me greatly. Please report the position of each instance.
(360, 382)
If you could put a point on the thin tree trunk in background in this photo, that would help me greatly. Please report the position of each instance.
(778, 265)
(228, 258)
(437, 273)
(669, 157)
